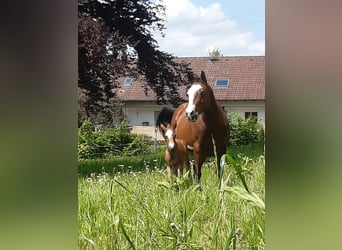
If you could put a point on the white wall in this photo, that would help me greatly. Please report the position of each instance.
(136, 116)
(141, 112)
(137, 113)
(242, 107)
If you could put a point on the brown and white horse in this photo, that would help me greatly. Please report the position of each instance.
(200, 123)
(176, 155)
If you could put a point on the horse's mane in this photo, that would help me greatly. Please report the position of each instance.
(164, 117)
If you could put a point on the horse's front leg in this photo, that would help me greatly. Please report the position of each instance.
(187, 165)
(169, 172)
(180, 170)
(198, 161)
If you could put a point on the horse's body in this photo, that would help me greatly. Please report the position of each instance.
(176, 155)
(199, 123)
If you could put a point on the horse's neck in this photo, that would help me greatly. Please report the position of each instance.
(211, 114)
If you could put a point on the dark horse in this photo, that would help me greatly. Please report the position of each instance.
(199, 123)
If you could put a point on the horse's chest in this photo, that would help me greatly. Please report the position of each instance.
(175, 157)
(191, 131)
(198, 140)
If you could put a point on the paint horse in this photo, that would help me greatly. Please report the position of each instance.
(176, 155)
(201, 124)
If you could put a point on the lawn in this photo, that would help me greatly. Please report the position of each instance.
(140, 209)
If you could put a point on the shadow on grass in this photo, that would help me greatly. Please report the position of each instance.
(125, 164)
(119, 164)
(253, 151)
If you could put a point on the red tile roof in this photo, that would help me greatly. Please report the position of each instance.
(246, 74)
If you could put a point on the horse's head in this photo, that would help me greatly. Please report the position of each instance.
(170, 136)
(199, 98)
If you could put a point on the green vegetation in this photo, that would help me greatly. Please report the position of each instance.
(120, 164)
(253, 150)
(244, 132)
(126, 201)
(144, 211)
(111, 142)
(114, 164)
(114, 143)
(137, 210)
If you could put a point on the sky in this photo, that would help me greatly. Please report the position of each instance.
(194, 27)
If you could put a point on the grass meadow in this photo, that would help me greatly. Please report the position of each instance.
(143, 210)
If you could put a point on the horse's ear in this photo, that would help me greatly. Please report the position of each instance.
(203, 78)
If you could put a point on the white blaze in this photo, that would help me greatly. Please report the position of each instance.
(191, 94)
(169, 135)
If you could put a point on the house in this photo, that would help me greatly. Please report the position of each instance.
(238, 83)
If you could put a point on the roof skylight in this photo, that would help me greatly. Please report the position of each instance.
(221, 82)
(128, 80)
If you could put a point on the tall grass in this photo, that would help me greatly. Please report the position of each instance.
(142, 210)
(115, 164)
(123, 163)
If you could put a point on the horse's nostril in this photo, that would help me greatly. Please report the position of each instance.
(192, 115)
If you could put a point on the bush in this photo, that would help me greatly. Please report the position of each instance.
(244, 132)
(110, 142)
(86, 141)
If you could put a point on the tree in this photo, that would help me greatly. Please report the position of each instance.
(215, 52)
(95, 81)
(115, 38)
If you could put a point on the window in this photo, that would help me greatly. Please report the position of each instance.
(222, 82)
(251, 114)
(128, 80)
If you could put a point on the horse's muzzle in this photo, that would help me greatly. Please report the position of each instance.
(192, 116)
